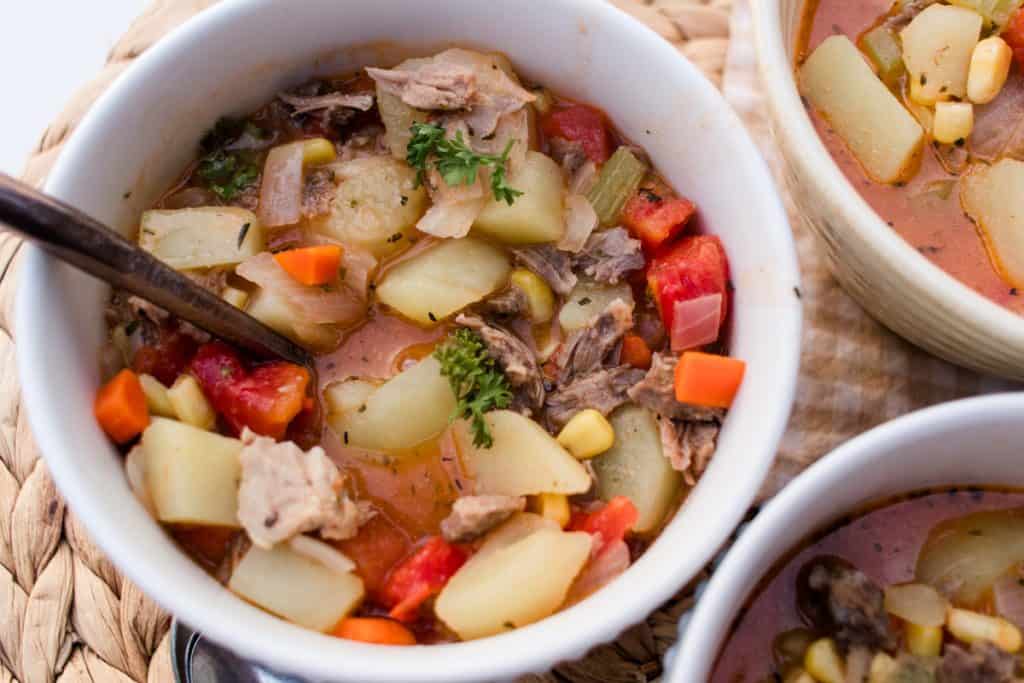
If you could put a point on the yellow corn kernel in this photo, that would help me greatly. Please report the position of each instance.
(953, 122)
(924, 641)
(318, 151)
(882, 668)
(236, 297)
(971, 627)
(823, 662)
(990, 65)
(157, 400)
(540, 300)
(587, 434)
(553, 506)
(190, 404)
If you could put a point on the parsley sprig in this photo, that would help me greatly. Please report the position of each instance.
(456, 161)
(479, 385)
(227, 173)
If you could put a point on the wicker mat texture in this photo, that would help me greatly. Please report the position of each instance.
(67, 615)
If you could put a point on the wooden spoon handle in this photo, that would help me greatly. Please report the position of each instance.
(75, 238)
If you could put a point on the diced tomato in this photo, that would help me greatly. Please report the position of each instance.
(695, 266)
(379, 546)
(421, 577)
(655, 220)
(167, 358)
(582, 124)
(609, 524)
(265, 399)
(1014, 37)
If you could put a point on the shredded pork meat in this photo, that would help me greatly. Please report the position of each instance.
(287, 491)
(849, 604)
(604, 391)
(657, 392)
(609, 255)
(514, 357)
(689, 446)
(552, 265)
(474, 516)
(982, 663)
(330, 102)
(592, 347)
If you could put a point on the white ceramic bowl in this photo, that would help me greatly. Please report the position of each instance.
(975, 441)
(892, 280)
(234, 57)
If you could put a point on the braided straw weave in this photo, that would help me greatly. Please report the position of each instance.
(65, 613)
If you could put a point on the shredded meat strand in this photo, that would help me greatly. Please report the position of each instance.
(474, 516)
(604, 391)
(513, 356)
(594, 346)
(552, 265)
(657, 392)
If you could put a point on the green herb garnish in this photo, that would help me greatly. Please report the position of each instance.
(478, 384)
(456, 161)
(227, 174)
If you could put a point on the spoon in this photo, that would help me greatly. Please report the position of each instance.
(71, 236)
(196, 659)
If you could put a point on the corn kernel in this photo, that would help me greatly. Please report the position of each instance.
(156, 397)
(190, 404)
(823, 662)
(971, 627)
(990, 65)
(924, 641)
(236, 297)
(954, 121)
(882, 668)
(318, 151)
(587, 434)
(539, 298)
(553, 506)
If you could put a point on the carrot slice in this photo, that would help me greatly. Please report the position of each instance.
(311, 265)
(120, 407)
(635, 352)
(374, 630)
(703, 379)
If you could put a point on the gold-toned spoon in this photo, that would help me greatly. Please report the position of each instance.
(86, 244)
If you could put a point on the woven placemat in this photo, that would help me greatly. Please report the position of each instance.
(67, 615)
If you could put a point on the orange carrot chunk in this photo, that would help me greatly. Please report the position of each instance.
(311, 266)
(120, 407)
(635, 352)
(374, 630)
(703, 379)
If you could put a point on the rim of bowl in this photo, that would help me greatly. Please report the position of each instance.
(569, 633)
(809, 151)
(741, 569)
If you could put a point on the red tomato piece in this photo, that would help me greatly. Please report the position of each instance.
(1014, 37)
(167, 358)
(421, 576)
(265, 399)
(609, 524)
(379, 546)
(655, 220)
(695, 266)
(582, 124)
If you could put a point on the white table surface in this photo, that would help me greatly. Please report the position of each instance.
(48, 49)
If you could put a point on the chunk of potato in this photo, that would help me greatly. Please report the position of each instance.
(993, 196)
(538, 215)
(514, 585)
(273, 311)
(348, 396)
(636, 468)
(937, 48)
(204, 237)
(879, 131)
(523, 461)
(398, 118)
(192, 474)
(405, 411)
(516, 528)
(442, 281)
(588, 300)
(376, 206)
(296, 588)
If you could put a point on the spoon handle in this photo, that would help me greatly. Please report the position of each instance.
(77, 239)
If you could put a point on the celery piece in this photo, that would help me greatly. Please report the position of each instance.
(996, 13)
(883, 49)
(619, 179)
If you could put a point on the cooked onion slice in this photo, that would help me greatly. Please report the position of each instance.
(281, 189)
(916, 603)
(315, 305)
(696, 322)
(580, 222)
(325, 554)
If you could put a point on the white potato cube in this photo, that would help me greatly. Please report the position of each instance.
(588, 300)
(993, 196)
(538, 215)
(879, 131)
(204, 237)
(937, 49)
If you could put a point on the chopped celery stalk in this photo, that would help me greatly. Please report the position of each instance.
(996, 13)
(883, 48)
(619, 179)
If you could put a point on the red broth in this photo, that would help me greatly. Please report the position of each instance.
(937, 228)
(883, 543)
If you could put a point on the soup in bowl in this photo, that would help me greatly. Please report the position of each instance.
(899, 134)
(894, 558)
(488, 250)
